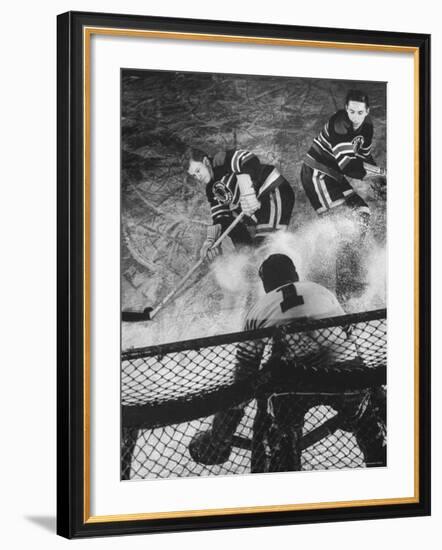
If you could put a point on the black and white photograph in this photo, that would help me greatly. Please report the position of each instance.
(243, 273)
(253, 274)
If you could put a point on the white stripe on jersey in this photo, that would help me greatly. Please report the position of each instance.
(238, 158)
(315, 179)
(278, 224)
(323, 195)
(228, 182)
(347, 145)
(270, 179)
(323, 148)
(220, 210)
(324, 189)
(323, 138)
(343, 162)
(236, 194)
(344, 154)
(233, 161)
(246, 157)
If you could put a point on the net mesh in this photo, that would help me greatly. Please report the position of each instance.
(315, 400)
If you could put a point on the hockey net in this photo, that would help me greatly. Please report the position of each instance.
(171, 392)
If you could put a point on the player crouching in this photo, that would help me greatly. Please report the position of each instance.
(238, 184)
(342, 150)
(288, 299)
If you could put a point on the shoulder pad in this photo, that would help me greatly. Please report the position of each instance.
(340, 122)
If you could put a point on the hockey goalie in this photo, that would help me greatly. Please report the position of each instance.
(281, 416)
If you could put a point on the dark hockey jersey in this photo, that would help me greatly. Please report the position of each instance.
(223, 191)
(339, 150)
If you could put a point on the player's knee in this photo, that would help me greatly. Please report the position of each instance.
(306, 174)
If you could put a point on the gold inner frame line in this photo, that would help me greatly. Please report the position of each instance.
(87, 34)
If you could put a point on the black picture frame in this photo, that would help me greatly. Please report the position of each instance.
(73, 515)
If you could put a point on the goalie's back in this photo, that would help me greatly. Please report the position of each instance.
(295, 300)
(303, 300)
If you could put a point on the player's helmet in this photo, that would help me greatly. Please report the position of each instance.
(276, 270)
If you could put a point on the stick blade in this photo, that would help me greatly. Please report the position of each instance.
(136, 316)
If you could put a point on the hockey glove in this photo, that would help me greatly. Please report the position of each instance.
(207, 252)
(248, 200)
(204, 450)
(214, 446)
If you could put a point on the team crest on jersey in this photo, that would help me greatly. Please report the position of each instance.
(358, 142)
(222, 193)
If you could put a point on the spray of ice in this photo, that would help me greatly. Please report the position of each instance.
(231, 272)
(218, 302)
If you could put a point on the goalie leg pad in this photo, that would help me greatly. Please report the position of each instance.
(371, 430)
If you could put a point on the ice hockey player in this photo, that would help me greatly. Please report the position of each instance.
(288, 299)
(343, 149)
(236, 181)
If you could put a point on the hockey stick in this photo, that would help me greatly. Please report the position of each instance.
(149, 313)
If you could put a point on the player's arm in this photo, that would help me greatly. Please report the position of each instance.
(365, 151)
(377, 174)
(351, 165)
(247, 168)
(249, 353)
(342, 148)
(221, 219)
(238, 161)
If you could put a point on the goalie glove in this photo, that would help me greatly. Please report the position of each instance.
(207, 252)
(204, 450)
(214, 446)
(248, 200)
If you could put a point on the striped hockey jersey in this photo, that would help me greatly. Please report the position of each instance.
(339, 150)
(223, 191)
